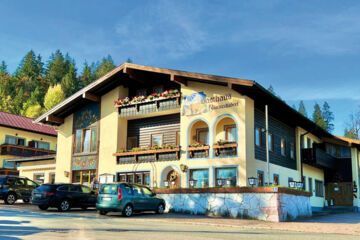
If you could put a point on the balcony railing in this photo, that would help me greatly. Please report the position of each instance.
(149, 106)
(317, 157)
(225, 150)
(198, 152)
(23, 151)
(148, 156)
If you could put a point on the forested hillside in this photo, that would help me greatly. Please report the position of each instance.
(37, 86)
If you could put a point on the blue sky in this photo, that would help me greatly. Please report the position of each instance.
(308, 50)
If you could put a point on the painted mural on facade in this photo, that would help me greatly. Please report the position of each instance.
(198, 103)
(87, 116)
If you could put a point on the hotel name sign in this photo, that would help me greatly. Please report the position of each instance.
(198, 103)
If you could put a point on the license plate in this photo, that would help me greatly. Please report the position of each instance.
(106, 198)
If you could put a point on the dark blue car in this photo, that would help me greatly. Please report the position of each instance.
(13, 188)
(63, 196)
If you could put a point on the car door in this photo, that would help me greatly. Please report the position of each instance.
(138, 198)
(30, 186)
(88, 197)
(20, 188)
(149, 202)
(75, 195)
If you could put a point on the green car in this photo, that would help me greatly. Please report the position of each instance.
(128, 198)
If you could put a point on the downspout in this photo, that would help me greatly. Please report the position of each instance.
(301, 155)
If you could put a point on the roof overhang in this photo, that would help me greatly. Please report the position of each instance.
(34, 158)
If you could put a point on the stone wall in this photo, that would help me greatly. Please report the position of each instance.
(267, 206)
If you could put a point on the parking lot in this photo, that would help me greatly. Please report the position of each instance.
(24, 221)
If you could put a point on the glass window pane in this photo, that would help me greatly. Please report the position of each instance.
(93, 139)
(257, 137)
(76, 177)
(147, 192)
(202, 136)
(283, 147)
(131, 142)
(78, 141)
(44, 145)
(139, 178)
(202, 177)
(147, 179)
(226, 174)
(85, 189)
(21, 141)
(86, 141)
(10, 140)
(271, 146)
(156, 140)
(230, 133)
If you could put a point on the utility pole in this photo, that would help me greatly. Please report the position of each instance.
(267, 142)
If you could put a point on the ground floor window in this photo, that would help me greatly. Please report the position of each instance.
(142, 178)
(84, 176)
(201, 177)
(225, 176)
(276, 179)
(319, 189)
(39, 178)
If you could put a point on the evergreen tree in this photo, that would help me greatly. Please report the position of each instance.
(34, 111)
(54, 96)
(18, 102)
(33, 100)
(129, 60)
(271, 89)
(107, 64)
(302, 109)
(5, 80)
(328, 117)
(58, 66)
(69, 83)
(3, 68)
(294, 106)
(318, 117)
(87, 75)
(350, 133)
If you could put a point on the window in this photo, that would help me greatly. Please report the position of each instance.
(201, 176)
(31, 183)
(230, 133)
(85, 189)
(147, 192)
(304, 182)
(290, 180)
(109, 189)
(178, 138)
(86, 140)
(308, 142)
(131, 142)
(142, 178)
(74, 188)
(310, 187)
(202, 135)
(158, 89)
(156, 140)
(260, 177)
(227, 176)
(83, 177)
(283, 147)
(39, 144)
(141, 92)
(63, 188)
(292, 151)
(319, 189)
(137, 191)
(276, 179)
(258, 137)
(20, 182)
(15, 140)
(39, 178)
(271, 142)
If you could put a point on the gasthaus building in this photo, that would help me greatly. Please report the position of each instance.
(177, 129)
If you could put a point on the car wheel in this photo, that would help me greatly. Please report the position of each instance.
(26, 200)
(103, 212)
(160, 209)
(43, 207)
(128, 211)
(10, 199)
(64, 206)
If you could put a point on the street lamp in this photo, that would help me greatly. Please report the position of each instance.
(220, 182)
(292, 184)
(228, 182)
(252, 181)
(299, 185)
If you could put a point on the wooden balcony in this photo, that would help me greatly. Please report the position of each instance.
(317, 157)
(23, 151)
(149, 106)
(148, 156)
(198, 152)
(225, 150)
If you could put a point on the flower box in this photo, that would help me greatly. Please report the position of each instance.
(227, 149)
(153, 155)
(200, 151)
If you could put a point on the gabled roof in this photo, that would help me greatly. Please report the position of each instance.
(24, 123)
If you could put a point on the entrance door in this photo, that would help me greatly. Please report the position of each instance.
(341, 193)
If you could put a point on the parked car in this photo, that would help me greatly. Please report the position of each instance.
(63, 196)
(128, 198)
(13, 188)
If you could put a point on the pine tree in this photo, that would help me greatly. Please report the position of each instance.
(57, 67)
(69, 83)
(54, 96)
(302, 109)
(87, 75)
(318, 117)
(33, 100)
(18, 102)
(350, 133)
(107, 64)
(328, 117)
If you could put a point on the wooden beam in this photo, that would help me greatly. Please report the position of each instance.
(53, 119)
(230, 85)
(91, 97)
(178, 79)
(135, 75)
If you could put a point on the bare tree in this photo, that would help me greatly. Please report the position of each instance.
(352, 129)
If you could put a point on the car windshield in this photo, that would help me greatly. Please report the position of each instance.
(108, 189)
(45, 188)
